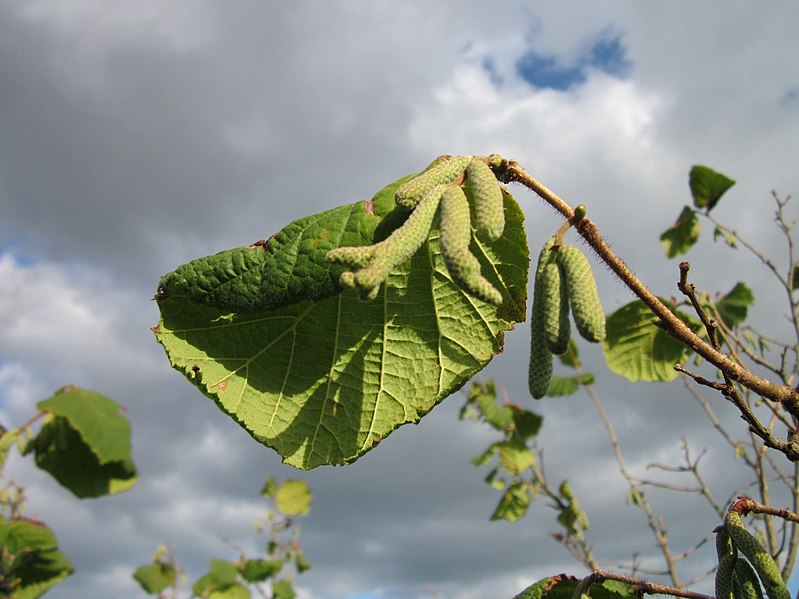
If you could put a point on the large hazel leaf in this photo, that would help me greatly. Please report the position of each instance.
(324, 380)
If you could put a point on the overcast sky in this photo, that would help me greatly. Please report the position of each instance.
(135, 136)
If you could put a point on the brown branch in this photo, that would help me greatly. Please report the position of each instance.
(511, 171)
(644, 586)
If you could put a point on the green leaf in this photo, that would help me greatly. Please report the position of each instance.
(61, 450)
(98, 419)
(258, 570)
(322, 382)
(301, 562)
(500, 417)
(270, 487)
(283, 589)
(514, 503)
(707, 186)
(527, 424)
(221, 582)
(515, 457)
(30, 562)
(682, 235)
(85, 443)
(290, 266)
(563, 587)
(563, 386)
(727, 236)
(639, 350)
(156, 577)
(571, 358)
(733, 307)
(293, 498)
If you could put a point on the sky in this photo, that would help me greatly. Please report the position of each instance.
(137, 136)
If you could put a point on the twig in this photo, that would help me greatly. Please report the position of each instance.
(511, 171)
(644, 586)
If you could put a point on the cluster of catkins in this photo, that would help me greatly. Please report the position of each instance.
(563, 278)
(740, 577)
(438, 187)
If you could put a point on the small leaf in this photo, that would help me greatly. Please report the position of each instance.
(221, 582)
(98, 419)
(639, 350)
(293, 497)
(32, 562)
(732, 308)
(527, 424)
(258, 570)
(563, 587)
(283, 589)
(564, 386)
(62, 451)
(500, 417)
(515, 457)
(156, 577)
(514, 503)
(682, 235)
(270, 487)
(571, 358)
(795, 278)
(301, 563)
(707, 186)
(728, 237)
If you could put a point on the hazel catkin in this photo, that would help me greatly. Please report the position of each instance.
(586, 307)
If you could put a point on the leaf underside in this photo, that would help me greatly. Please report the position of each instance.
(324, 381)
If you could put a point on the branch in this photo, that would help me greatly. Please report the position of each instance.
(511, 171)
(644, 586)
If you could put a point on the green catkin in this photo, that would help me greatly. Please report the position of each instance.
(761, 560)
(392, 251)
(489, 211)
(589, 317)
(727, 555)
(412, 192)
(456, 235)
(358, 256)
(556, 307)
(724, 577)
(539, 374)
(745, 583)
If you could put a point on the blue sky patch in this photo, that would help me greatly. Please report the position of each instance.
(544, 71)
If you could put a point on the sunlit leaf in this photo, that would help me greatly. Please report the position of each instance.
(514, 503)
(707, 186)
(293, 497)
(322, 382)
(639, 350)
(156, 577)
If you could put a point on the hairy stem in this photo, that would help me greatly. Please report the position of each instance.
(511, 171)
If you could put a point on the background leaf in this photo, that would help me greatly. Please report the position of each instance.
(156, 577)
(322, 382)
(682, 235)
(639, 350)
(707, 186)
(293, 497)
(30, 554)
(733, 307)
(85, 443)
